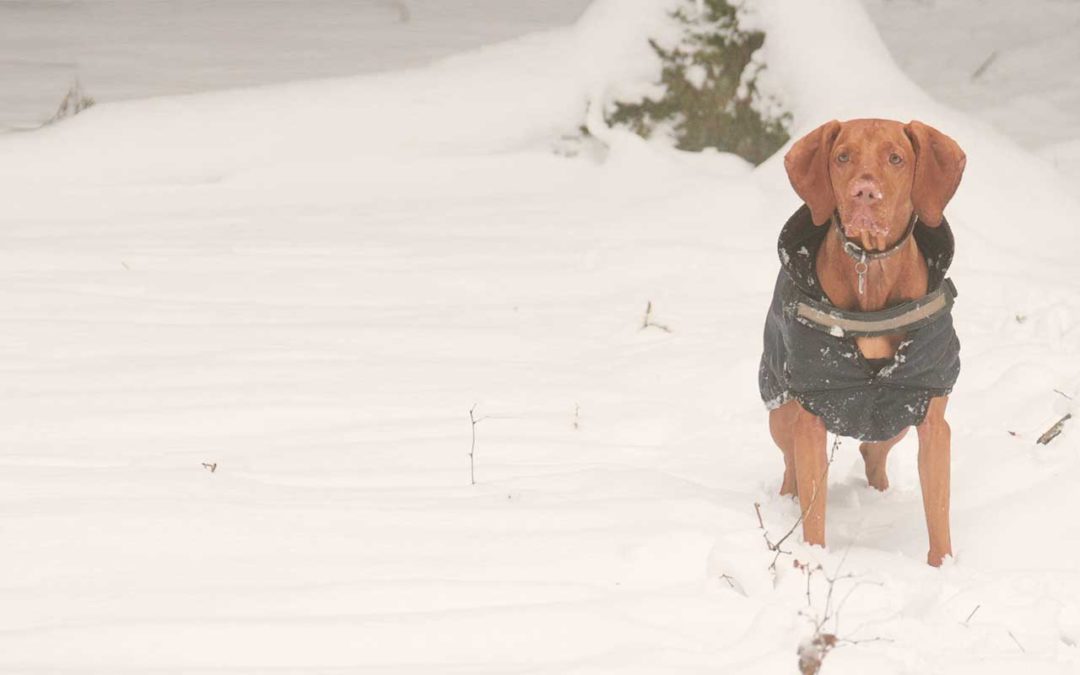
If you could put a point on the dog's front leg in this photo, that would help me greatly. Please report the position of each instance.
(811, 474)
(934, 458)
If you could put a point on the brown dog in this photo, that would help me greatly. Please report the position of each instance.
(874, 192)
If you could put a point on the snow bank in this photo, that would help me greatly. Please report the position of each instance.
(123, 50)
(523, 92)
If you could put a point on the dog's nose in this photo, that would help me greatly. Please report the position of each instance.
(865, 190)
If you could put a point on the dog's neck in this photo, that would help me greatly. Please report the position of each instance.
(886, 281)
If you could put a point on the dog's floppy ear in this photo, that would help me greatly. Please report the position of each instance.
(807, 165)
(939, 164)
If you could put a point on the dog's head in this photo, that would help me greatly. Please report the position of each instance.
(875, 173)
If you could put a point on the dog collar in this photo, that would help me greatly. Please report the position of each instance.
(860, 255)
(800, 240)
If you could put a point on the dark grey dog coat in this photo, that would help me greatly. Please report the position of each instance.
(823, 369)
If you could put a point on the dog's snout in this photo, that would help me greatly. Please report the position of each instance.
(866, 191)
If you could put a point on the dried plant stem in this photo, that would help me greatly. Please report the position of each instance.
(649, 323)
(1054, 431)
(473, 421)
(984, 66)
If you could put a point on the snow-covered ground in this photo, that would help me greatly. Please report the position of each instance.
(310, 285)
(125, 49)
(1015, 65)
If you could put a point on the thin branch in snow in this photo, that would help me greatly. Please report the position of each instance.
(843, 601)
(1055, 430)
(473, 420)
(814, 650)
(809, 577)
(832, 585)
(984, 66)
(210, 466)
(649, 322)
(1017, 642)
(761, 524)
(74, 102)
(828, 613)
(965, 623)
(848, 641)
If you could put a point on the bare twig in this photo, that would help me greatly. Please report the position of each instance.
(984, 66)
(648, 322)
(830, 581)
(849, 641)
(832, 584)
(1058, 391)
(210, 466)
(74, 102)
(1054, 431)
(813, 652)
(473, 420)
(965, 623)
(577, 416)
(843, 601)
(1017, 642)
(809, 577)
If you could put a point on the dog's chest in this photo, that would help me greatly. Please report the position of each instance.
(887, 284)
(881, 347)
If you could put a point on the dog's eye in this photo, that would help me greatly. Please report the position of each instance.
(895, 159)
(843, 158)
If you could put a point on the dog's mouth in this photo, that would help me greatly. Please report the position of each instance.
(862, 225)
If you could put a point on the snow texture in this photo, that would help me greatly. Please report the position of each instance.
(307, 286)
